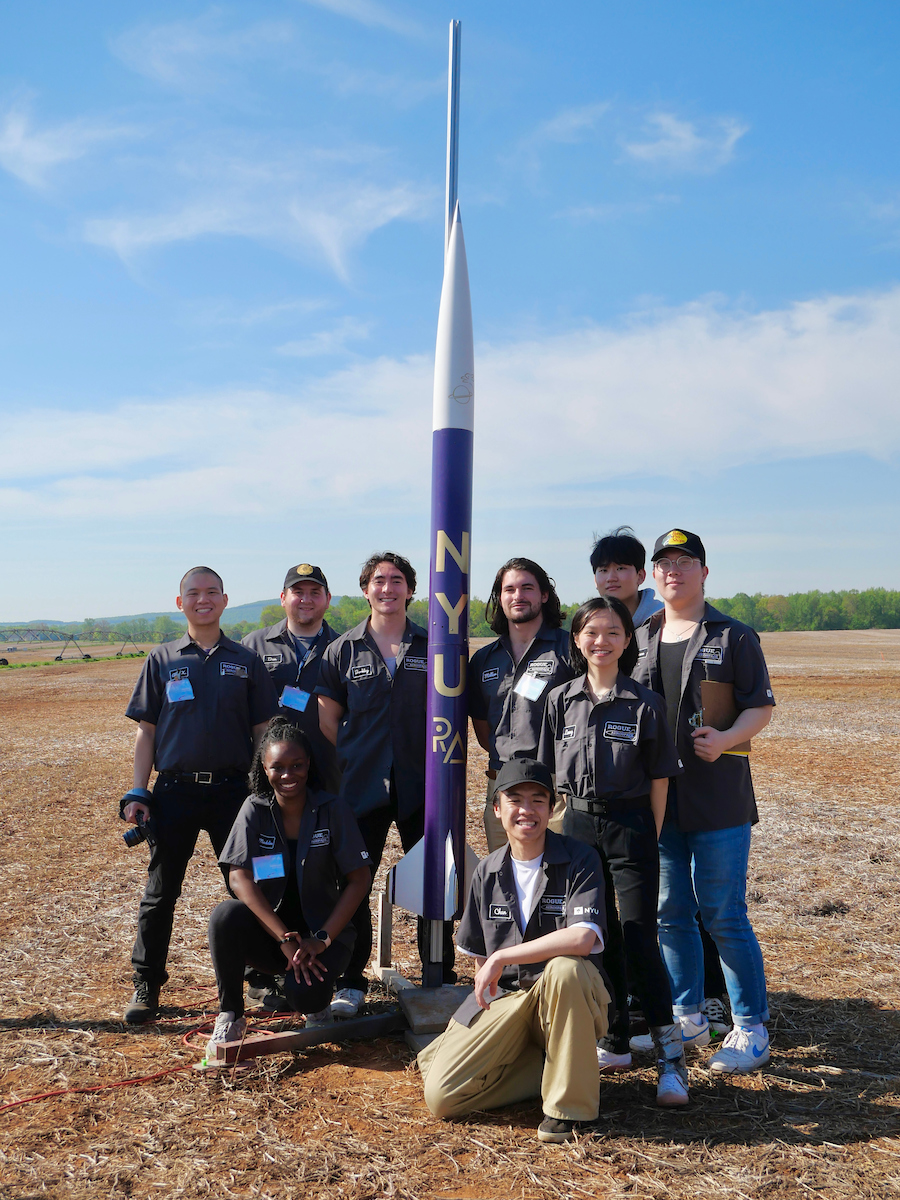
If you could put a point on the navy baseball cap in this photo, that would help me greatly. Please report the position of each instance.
(303, 573)
(679, 541)
(523, 770)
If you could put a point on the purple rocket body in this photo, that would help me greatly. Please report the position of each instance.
(448, 606)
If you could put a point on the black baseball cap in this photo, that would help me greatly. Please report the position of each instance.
(679, 541)
(304, 573)
(523, 770)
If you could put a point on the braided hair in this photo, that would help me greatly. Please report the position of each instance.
(280, 729)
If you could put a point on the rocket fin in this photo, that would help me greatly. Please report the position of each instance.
(405, 880)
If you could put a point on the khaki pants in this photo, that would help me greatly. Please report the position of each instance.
(499, 1058)
(494, 831)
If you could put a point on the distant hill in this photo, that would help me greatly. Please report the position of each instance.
(234, 614)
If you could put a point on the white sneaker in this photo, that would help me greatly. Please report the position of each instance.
(317, 1019)
(612, 1062)
(672, 1088)
(718, 1012)
(693, 1036)
(226, 1029)
(741, 1052)
(346, 1002)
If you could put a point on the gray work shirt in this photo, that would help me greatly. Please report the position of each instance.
(571, 893)
(203, 707)
(715, 795)
(611, 750)
(277, 648)
(382, 732)
(329, 846)
(494, 675)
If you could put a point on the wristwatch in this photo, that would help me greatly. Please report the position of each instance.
(321, 935)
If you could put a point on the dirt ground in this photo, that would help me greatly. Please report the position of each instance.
(348, 1121)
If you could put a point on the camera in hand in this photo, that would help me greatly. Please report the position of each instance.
(144, 831)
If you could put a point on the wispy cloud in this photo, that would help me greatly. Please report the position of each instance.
(617, 209)
(328, 341)
(568, 127)
(195, 55)
(678, 145)
(815, 378)
(307, 202)
(371, 14)
(401, 90)
(31, 153)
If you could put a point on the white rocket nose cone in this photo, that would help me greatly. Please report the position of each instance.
(454, 360)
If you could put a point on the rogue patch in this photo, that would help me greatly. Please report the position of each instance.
(554, 906)
(542, 667)
(322, 837)
(620, 731)
(238, 670)
(415, 664)
(710, 654)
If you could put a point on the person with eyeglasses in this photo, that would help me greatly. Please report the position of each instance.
(705, 841)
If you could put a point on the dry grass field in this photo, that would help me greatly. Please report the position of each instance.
(348, 1121)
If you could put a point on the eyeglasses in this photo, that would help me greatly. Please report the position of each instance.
(684, 563)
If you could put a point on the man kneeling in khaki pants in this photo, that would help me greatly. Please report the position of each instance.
(534, 924)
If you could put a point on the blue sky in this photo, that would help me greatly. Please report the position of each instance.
(222, 238)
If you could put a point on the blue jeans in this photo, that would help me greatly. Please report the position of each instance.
(706, 872)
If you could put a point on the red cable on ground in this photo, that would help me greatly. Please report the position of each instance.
(102, 1087)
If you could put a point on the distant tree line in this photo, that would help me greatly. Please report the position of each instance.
(874, 608)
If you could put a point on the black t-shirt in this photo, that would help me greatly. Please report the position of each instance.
(671, 657)
(290, 909)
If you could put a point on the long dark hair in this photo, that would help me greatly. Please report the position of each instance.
(280, 729)
(551, 611)
(581, 618)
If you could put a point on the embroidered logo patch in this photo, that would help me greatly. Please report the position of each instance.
(364, 672)
(322, 837)
(542, 667)
(273, 658)
(499, 912)
(553, 906)
(267, 841)
(569, 732)
(237, 670)
(585, 910)
(620, 731)
(179, 673)
(415, 664)
(710, 654)
(675, 538)
(492, 673)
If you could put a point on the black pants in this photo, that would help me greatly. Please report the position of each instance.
(626, 841)
(237, 940)
(374, 828)
(180, 811)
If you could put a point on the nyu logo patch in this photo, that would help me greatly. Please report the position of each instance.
(499, 912)
(585, 910)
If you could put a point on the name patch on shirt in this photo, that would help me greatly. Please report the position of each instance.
(569, 732)
(364, 672)
(179, 673)
(643, 653)
(267, 841)
(237, 670)
(620, 731)
(415, 664)
(273, 658)
(553, 906)
(542, 667)
(710, 654)
(493, 673)
(499, 912)
(322, 837)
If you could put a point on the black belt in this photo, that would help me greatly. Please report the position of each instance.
(599, 808)
(204, 777)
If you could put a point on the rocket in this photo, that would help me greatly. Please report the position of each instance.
(430, 879)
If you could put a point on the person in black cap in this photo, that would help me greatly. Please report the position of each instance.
(292, 651)
(705, 841)
(201, 704)
(534, 923)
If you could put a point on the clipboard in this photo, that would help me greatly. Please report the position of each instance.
(720, 710)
